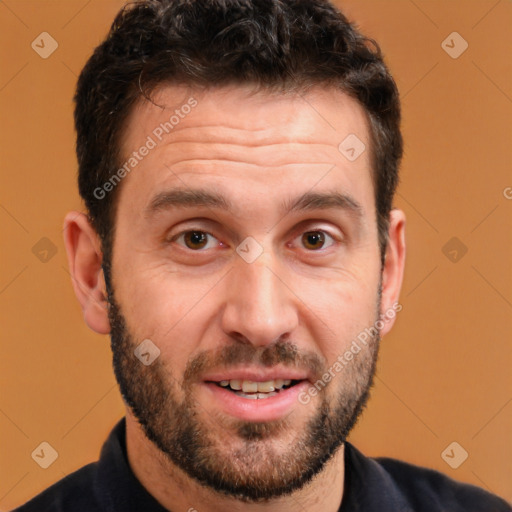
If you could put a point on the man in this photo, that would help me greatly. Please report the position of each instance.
(238, 161)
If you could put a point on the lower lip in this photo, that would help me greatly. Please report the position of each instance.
(261, 409)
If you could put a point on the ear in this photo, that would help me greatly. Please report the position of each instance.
(393, 270)
(83, 248)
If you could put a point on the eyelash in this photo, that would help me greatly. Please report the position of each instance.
(182, 233)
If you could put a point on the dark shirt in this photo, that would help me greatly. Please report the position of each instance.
(371, 485)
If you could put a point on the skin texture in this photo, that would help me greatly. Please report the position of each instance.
(299, 304)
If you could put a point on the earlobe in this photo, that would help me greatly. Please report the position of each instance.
(393, 271)
(83, 249)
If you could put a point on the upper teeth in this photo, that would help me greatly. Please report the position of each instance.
(249, 386)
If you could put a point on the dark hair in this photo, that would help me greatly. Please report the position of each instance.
(276, 44)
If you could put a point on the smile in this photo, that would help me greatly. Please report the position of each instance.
(256, 390)
(254, 395)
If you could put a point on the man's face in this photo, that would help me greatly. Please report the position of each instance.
(257, 287)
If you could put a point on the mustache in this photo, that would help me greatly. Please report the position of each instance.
(282, 352)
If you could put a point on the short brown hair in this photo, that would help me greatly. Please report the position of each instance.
(283, 44)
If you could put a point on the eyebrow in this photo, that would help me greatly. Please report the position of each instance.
(197, 198)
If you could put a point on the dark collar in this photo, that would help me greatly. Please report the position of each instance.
(368, 486)
(116, 485)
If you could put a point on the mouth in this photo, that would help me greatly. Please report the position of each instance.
(256, 390)
(254, 395)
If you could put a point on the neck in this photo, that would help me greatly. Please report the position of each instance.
(175, 490)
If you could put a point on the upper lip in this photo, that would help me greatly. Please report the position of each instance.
(257, 374)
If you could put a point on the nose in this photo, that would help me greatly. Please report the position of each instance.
(260, 308)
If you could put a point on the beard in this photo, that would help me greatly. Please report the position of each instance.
(249, 461)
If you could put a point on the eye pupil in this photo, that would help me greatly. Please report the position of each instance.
(195, 239)
(313, 238)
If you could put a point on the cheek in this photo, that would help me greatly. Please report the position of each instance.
(339, 313)
(172, 312)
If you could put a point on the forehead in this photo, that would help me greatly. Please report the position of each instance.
(235, 136)
(322, 114)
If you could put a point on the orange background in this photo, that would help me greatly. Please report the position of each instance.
(444, 371)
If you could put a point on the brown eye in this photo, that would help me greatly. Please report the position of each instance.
(313, 240)
(195, 239)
